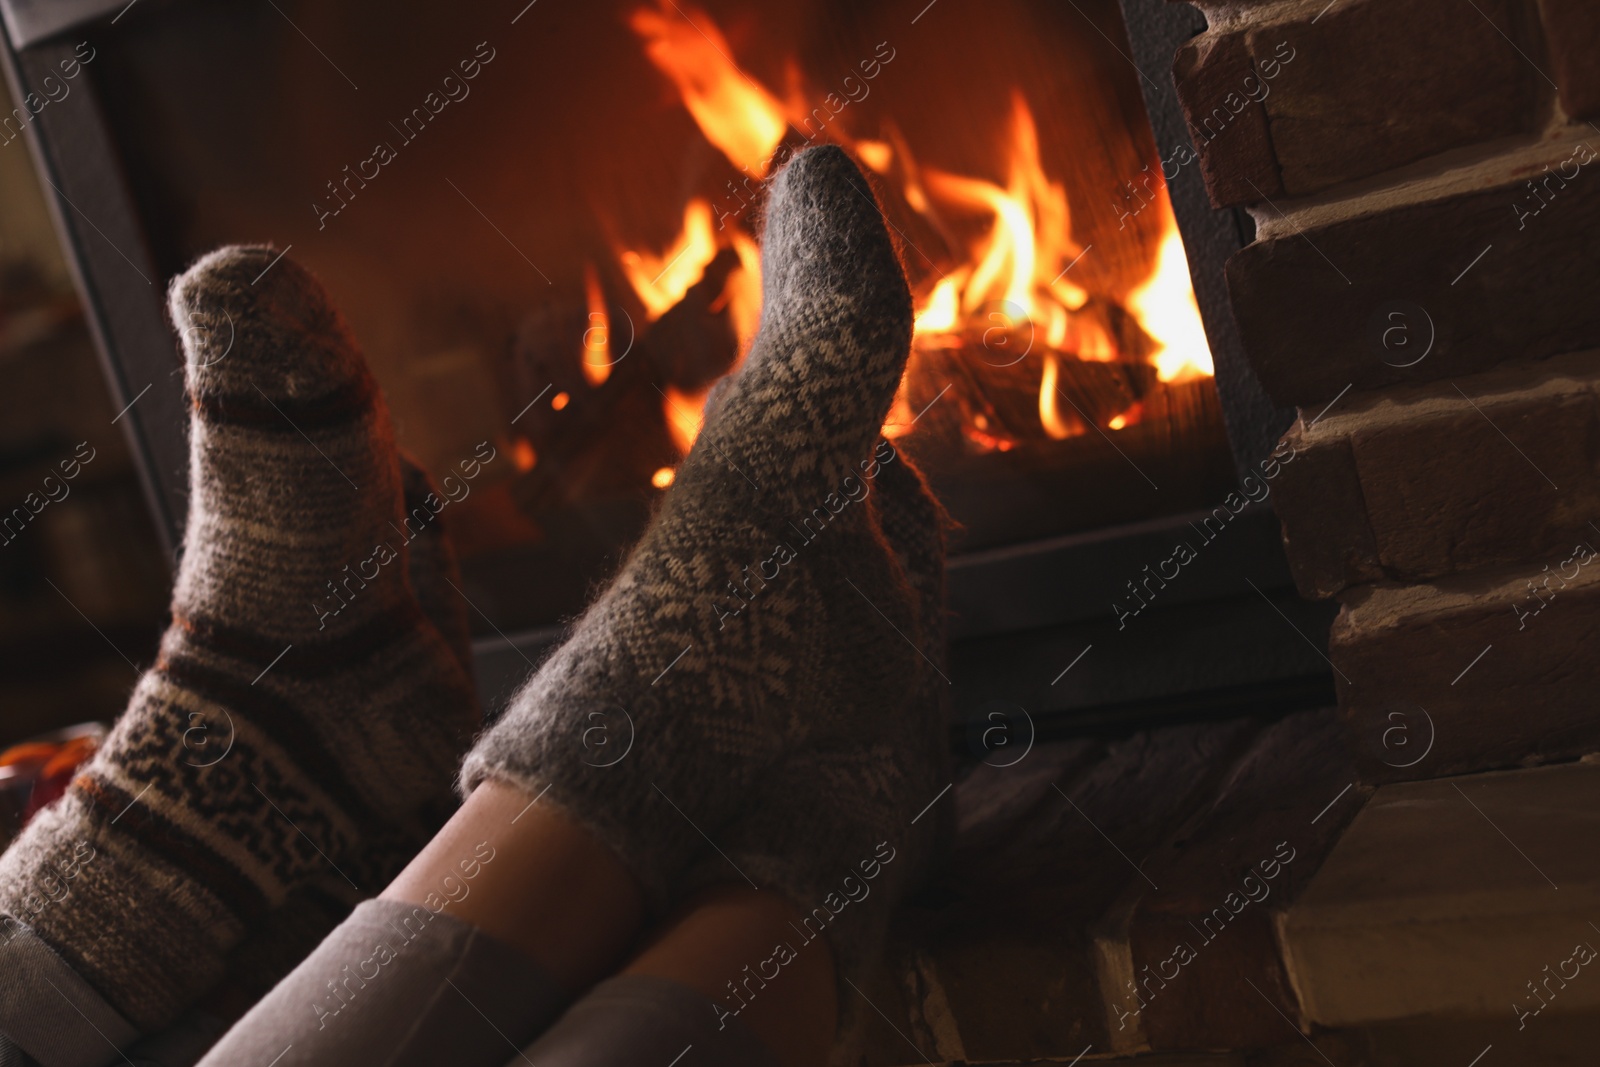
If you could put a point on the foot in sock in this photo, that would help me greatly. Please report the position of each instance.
(753, 613)
(847, 824)
(289, 934)
(294, 624)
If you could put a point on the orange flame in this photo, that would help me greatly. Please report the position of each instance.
(1019, 264)
(597, 338)
(685, 412)
(736, 115)
(662, 280)
(1166, 308)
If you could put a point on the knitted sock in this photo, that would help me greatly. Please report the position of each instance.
(295, 636)
(852, 820)
(291, 932)
(749, 613)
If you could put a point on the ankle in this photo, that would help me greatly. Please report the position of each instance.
(517, 869)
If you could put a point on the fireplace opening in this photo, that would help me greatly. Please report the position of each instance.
(546, 236)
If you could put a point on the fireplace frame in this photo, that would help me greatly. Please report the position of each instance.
(1032, 597)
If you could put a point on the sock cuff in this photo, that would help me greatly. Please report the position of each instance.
(48, 1010)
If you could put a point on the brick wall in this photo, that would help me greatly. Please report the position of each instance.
(1425, 181)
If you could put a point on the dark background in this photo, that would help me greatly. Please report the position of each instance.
(83, 589)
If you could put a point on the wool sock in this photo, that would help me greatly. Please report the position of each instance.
(752, 614)
(291, 932)
(297, 646)
(850, 821)
(277, 944)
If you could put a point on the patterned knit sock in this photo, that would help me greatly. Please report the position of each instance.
(851, 821)
(296, 640)
(753, 612)
(277, 944)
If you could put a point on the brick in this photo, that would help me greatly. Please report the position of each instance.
(1572, 29)
(1215, 77)
(1375, 85)
(1415, 483)
(1440, 901)
(1447, 677)
(1485, 279)
(1286, 797)
(1318, 500)
(1007, 946)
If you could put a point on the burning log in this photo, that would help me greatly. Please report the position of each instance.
(694, 343)
(980, 402)
(614, 432)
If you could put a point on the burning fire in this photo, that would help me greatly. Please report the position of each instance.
(1009, 297)
(597, 338)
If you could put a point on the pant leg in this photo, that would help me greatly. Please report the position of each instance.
(48, 1013)
(396, 985)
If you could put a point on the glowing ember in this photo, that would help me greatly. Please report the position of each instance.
(559, 401)
(522, 455)
(663, 477)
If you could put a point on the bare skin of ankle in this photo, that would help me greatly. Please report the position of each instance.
(538, 881)
(719, 933)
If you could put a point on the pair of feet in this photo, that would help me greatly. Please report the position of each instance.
(773, 641)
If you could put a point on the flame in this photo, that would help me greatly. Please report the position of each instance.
(597, 338)
(736, 115)
(1058, 425)
(1012, 285)
(685, 412)
(1166, 309)
(662, 280)
(1020, 261)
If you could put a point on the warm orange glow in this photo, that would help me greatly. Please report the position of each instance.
(663, 477)
(684, 413)
(1058, 424)
(741, 118)
(597, 338)
(1021, 260)
(559, 401)
(1011, 294)
(522, 455)
(1131, 417)
(900, 417)
(662, 280)
(1166, 308)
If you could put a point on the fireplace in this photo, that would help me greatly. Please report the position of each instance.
(543, 225)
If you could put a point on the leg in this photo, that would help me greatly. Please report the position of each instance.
(552, 890)
(693, 996)
(718, 944)
(337, 722)
(731, 638)
(469, 953)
